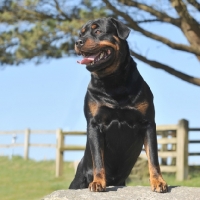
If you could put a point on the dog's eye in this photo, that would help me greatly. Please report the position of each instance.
(97, 32)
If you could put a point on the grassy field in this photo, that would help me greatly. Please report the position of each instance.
(30, 180)
(192, 181)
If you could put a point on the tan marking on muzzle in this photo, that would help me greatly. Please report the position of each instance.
(107, 43)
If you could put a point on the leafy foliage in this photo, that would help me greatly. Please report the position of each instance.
(40, 29)
(33, 29)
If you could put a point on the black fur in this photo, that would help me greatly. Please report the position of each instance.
(119, 111)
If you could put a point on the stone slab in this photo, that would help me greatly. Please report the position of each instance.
(127, 193)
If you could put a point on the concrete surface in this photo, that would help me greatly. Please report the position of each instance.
(127, 193)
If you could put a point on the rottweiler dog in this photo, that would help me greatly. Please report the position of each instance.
(118, 108)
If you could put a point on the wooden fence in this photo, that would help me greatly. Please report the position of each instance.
(27, 143)
(174, 135)
(172, 140)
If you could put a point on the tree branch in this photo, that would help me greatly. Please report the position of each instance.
(132, 24)
(18, 13)
(60, 10)
(160, 15)
(182, 11)
(189, 26)
(148, 20)
(158, 65)
(195, 4)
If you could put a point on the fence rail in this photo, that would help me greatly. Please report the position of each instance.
(32, 131)
(176, 135)
(27, 143)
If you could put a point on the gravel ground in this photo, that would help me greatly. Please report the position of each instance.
(127, 193)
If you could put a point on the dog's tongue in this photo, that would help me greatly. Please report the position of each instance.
(85, 60)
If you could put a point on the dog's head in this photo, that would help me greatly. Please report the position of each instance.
(102, 43)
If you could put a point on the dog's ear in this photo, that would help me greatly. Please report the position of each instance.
(122, 30)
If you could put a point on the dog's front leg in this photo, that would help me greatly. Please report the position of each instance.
(150, 144)
(96, 141)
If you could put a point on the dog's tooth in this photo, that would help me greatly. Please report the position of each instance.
(101, 55)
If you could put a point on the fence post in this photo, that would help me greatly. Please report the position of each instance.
(182, 150)
(164, 148)
(59, 152)
(173, 161)
(26, 144)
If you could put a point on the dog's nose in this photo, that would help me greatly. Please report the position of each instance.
(79, 43)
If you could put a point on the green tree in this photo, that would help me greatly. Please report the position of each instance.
(40, 29)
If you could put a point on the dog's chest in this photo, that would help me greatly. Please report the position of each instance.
(121, 126)
(119, 133)
(126, 116)
(122, 145)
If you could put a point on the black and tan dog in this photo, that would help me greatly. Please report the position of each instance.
(118, 108)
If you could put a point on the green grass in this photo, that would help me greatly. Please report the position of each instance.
(193, 179)
(31, 180)
(170, 179)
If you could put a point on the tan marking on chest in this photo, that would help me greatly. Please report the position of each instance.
(93, 108)
(142, 107)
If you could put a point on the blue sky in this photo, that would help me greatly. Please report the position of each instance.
(51, 95)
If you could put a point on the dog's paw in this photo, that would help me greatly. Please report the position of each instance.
(158, 185)
(97, 187)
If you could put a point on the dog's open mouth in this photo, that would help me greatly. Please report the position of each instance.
(91, 59)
